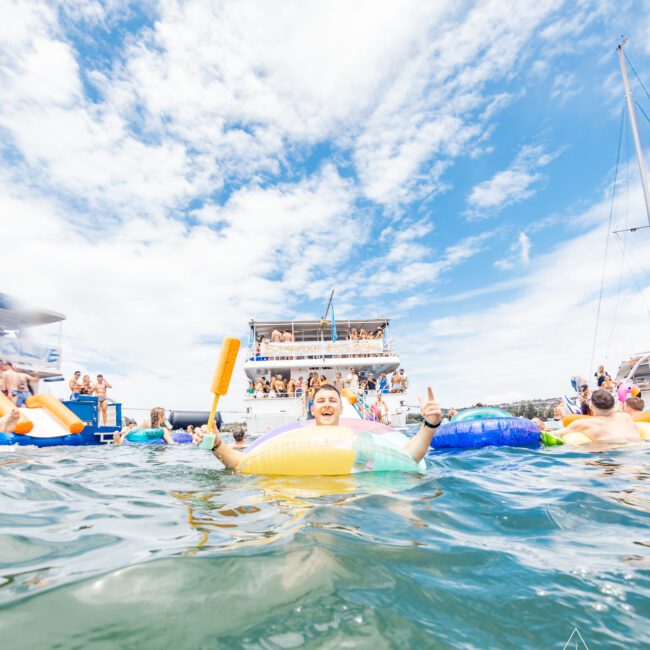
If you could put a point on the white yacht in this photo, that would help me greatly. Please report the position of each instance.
(308, 346)
(16, 344)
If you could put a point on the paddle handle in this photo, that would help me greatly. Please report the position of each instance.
(212, 427)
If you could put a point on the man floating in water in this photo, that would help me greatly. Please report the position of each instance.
(606, 425)
(326, 409)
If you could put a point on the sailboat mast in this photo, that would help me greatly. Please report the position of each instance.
(635, 133)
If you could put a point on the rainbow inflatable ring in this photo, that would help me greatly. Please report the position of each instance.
(303, 449)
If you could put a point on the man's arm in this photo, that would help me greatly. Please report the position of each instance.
(224, 452)
(418, 445)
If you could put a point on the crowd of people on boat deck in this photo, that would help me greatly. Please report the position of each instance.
(361, 383)
(80, 386)
(285, 336)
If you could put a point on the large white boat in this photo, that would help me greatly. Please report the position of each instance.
(16, 344)
(319, 346)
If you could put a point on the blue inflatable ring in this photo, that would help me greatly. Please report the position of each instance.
(484, 427)
(154, 436)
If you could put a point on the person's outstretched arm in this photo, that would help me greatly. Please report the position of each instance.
(225, 453)
(418, 445)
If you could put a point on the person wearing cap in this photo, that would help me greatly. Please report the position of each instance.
(326, 409)
(606, 424)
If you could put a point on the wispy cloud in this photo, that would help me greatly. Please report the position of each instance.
(517, 183)
(519, 254)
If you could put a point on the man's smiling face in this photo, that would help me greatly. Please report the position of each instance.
(327, 407)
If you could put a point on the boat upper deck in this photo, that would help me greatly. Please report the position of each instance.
(319, 339)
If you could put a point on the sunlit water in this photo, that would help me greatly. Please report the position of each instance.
(134, 547)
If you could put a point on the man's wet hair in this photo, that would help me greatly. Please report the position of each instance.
(635, 403)
(602, 400)
(239, 433)
(327, 387)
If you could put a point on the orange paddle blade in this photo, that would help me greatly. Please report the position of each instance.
(349, 395)
(225, 365)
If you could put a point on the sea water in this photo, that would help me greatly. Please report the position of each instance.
(156, 547)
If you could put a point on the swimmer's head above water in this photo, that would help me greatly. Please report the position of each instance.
(327, 406)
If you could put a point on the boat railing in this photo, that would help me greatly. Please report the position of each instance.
(340, 349)
(363, 396)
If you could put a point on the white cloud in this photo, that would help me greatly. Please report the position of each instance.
(517, 183)
(565, 86)
(520, 254)
(529, 344)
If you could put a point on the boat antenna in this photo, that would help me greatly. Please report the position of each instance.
(329, 304)
(629, 100)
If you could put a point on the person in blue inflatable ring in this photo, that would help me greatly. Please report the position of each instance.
(156, 421)
(326, 409)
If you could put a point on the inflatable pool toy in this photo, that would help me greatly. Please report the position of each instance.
(61, 413)
(481, 413)
(302, 449)
(483, 427)
(24, 425)
(578, 438)
(45, 422)
(154, 436)
(626, 389)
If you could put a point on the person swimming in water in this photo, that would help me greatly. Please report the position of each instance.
(9, 421)
(326, 410)
(606, 424)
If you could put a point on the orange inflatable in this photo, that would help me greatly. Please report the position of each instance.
(25, 425)
(62, 414)
(572, 417)
(644, 416)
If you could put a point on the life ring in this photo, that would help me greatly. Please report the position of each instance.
(154, 436)
(301, 449)
(480, 413)
(494, 432)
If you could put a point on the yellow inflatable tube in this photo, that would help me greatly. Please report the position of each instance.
(327, 451)
(61, 413)
(577, 438)
(25, 425)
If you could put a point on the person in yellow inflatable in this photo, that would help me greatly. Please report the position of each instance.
(326, 409)
(606, 425)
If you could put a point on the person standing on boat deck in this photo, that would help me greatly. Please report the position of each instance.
(338, 381)
(396, 383)
(326, 410)
(600, 376)
(633, 405)
(17, 385)
(287, 337)
(291, 387)
(405, 380)
(352, 381)
(85, 388)
(276, 336)
(75, 384)
(371, 384)
(280, 386)
(383, 383)
(99, 389)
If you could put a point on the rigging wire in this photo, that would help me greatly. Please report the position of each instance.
(620, 277)
(638, 286)
(636, 74)
(642, 111)
(609, 229)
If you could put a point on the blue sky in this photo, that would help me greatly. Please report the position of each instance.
(172, 170)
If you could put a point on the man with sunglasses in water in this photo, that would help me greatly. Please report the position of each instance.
(326, 409)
